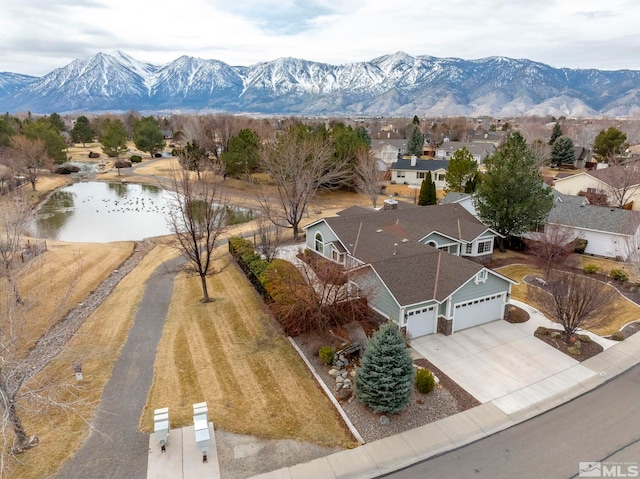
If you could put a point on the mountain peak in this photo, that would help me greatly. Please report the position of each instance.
(397, 84)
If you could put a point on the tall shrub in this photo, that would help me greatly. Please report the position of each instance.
(385, 377)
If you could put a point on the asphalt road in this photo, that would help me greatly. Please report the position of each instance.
(600, 426)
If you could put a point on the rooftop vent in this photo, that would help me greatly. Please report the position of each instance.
(379, 230)
(405, 240)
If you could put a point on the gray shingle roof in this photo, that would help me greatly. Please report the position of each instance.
(421, 165)
(416, 221)
(453, 197)
(387, 240)
(599, 218)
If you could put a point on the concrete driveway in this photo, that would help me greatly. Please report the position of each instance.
(502, 363)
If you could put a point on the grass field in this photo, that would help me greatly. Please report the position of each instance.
(96, 345)
(231, 354)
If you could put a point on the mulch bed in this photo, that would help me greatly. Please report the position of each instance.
(516, 315)
(630, 329)
(445, 400)
(587, 350)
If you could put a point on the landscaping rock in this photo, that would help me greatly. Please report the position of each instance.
(339, 379)
(577, 344)
(384, 420)
(333, 372)
(556, 334)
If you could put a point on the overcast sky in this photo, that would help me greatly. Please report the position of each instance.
(37, 36)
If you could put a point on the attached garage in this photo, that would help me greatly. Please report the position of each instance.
(478, 311)
(421, 321)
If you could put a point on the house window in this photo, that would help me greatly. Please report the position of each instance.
(420, 175)
(400, 174)
(469, 248)
(444, 248)
(484, 246)
(334, 255)
(441, 176)
(482, 276)
(319, 244)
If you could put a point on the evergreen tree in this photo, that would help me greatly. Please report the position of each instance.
(43, 129)
(556, 133)
(609, 143)
(57, 122)
(82, 131)
(147, 135)
(243, 153)
(562, 151)
(512, 198)
(113, 138)
(385, 376)
(427, 194)
(462, 167)
(415, 143)
(471, 185)
(416, 120)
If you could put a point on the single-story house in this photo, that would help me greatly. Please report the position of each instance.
(411, 261)
(610, 232)
(617, 183)
(412, 171)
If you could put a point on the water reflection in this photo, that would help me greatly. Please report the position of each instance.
(99, 212)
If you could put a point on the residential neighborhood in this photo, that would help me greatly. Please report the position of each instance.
(250, 334)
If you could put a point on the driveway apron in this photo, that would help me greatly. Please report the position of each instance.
(116, 448)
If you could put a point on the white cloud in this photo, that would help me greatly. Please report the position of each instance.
(38, 36)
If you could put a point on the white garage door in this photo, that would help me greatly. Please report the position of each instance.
(478, 311)
(421, 321)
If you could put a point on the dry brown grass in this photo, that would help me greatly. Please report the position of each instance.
(232, 355)
(620, 312)
(97, 346)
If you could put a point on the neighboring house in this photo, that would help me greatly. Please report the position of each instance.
(610, 232)
(582, 156)
(618, 183)
(412, 171)
(463, 199)
(479, 151)
(388, 151)
(167, 134)
(409, 261)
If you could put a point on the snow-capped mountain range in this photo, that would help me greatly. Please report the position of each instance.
(396, 84)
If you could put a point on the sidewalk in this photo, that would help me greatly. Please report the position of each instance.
(409, 447)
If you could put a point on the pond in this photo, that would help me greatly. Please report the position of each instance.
(98, 212)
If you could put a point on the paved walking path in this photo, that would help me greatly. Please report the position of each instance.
(116, 448)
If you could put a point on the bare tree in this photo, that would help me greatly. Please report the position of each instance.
(621, 182)
(368, 175)
(551, 247)
(197, 218)
(269, 238)
(30, 156)
(316, 297)
(574, 301)
(31, 334)
(299, 164)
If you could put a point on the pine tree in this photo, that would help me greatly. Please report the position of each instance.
(512, 198)
(427, 194)
(462, 167)
(562, 151)
(385, 376)
(556, 133)
(415, 143)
